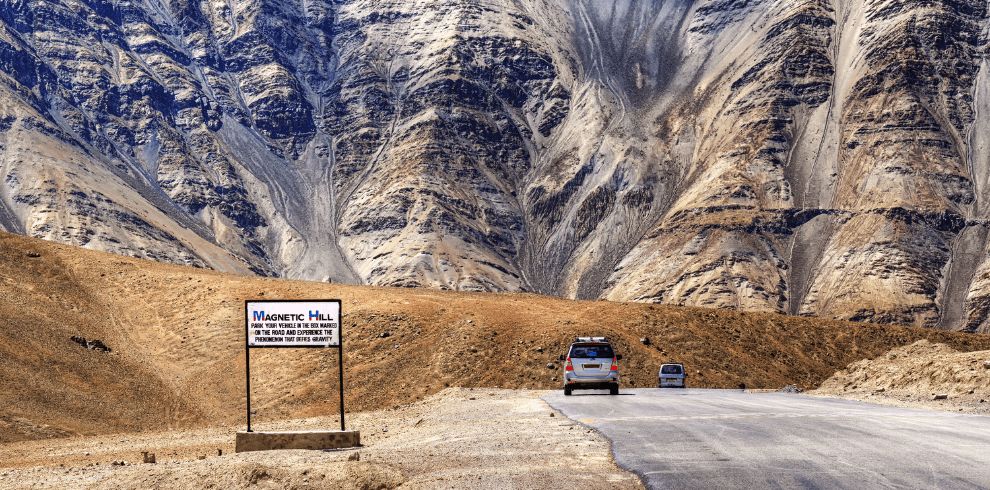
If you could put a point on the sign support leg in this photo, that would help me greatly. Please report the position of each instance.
(340, 355)
(247, 376)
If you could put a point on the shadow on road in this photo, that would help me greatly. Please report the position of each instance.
(602, 394)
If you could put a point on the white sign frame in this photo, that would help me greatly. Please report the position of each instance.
(292, 323)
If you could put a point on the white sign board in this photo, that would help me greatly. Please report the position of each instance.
(301, 323)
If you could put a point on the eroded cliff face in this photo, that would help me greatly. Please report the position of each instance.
(815, 157)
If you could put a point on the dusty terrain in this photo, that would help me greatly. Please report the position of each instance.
(459, 438)
(176, 355)
(912, 376)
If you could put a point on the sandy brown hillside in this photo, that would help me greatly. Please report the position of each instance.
(912, 375)
(177, 354)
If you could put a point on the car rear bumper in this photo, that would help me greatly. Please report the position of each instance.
(592, 386)
(572, 379)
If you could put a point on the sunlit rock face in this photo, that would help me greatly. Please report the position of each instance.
(814, 157)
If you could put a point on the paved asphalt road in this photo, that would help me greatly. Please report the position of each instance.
(727, 439)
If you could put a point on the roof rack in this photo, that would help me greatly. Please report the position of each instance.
(591, 339)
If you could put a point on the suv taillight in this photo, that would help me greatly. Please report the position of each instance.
(568, 366)
(615, 364)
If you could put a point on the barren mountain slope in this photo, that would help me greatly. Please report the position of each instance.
(813, 157)
(176, 336)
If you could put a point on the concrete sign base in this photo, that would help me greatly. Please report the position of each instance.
(265, 441)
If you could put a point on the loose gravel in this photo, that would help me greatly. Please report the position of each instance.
(458, 438)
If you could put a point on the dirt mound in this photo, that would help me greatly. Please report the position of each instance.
(175, 357)
(913, 375)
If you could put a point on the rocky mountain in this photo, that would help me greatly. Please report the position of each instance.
(816, 157)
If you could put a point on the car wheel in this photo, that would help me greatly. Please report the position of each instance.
(567, 390)
(613, 390)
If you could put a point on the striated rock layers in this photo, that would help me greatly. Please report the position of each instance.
(815, 157)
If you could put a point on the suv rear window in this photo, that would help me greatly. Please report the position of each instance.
(589, 351)
(672, 369)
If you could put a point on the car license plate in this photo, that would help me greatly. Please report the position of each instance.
(670, 380)
(592, 366)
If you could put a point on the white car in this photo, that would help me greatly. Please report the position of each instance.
(672, 375)
(591, 364)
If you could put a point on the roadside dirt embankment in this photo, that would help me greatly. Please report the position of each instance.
(914, 376)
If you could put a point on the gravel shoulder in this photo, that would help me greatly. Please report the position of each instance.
(458, 438)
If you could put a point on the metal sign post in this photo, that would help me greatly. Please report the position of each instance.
(293, 324)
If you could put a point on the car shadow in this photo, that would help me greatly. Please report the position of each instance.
(602, 394)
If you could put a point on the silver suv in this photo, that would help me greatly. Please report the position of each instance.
(591, 364)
